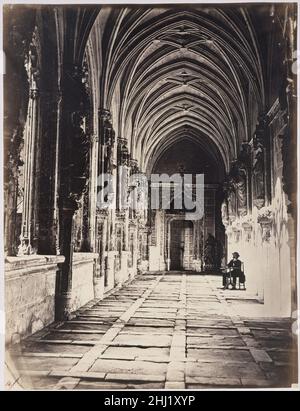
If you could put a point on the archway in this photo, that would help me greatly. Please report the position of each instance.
(180, 244)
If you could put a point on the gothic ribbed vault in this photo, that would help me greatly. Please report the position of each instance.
(196, 72)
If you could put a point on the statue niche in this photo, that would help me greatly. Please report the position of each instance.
(224, 212)
(230, 196)
(241, 191)
(258, 173)
(238, 182)
(108, 139)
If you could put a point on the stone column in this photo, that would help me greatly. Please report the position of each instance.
(168, 244)
(29, 230)
(93, 185)
(20, 42)
(55, 205)
(74, 163)
(100, 248)
(123, 162)
(64, 296)
(110, 269)
(269, 270)
(11, 189)
(124, 265)
(106, 166)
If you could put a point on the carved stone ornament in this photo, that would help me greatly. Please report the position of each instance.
(123, 155)
(224, 212)
(230, 195)
(134, 166)
(239, 181)
(266, 220)
(258, 168)
(108, 134)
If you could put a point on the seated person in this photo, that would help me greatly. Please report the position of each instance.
(235, 265)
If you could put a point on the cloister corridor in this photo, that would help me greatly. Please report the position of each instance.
(150, 150)
(170, 330)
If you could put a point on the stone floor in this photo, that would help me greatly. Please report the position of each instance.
(163, 330)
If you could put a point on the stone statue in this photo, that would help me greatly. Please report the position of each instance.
(231, 198)
(258, 171)
(224, 212)
(241, 191)
(236, 190)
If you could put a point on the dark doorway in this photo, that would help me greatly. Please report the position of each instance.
(181, 247)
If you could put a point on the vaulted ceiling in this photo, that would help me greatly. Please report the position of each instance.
(170, 73)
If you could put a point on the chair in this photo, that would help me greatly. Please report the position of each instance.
(240, 280)
(229, 279)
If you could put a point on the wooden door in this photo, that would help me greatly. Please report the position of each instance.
(181, 246)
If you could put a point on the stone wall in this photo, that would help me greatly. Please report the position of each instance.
(82, 279)
(262, 240)
(29, 294)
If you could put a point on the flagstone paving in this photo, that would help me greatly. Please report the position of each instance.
(162, 331)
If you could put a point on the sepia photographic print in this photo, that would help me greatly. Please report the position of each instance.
(150, 197)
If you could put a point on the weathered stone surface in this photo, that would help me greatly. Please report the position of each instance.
(255, 383)
(211, 331)
(174, 385)
(136, 351)
(128, 329)
(67, 383)
(220, 370)
(135, 377)
(41, 347)
(118, 343)
(221, 382)
(143, 340)
(176, 372)
(219, 355)
(260, 355)
(133, 367)
(29, 294)
(73, 336)
(44, 363)
(213, 340)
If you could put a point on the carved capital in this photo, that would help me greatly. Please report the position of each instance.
(25, 247)
(102, 212)
(32, 63)
(104, 114)
(266, 220)
(94, 138)
(123, 155)
(121, 214)
(266, 231)
(265, 215)
(122, 141)
(34, 94)
(134, 166)
(106, 128)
